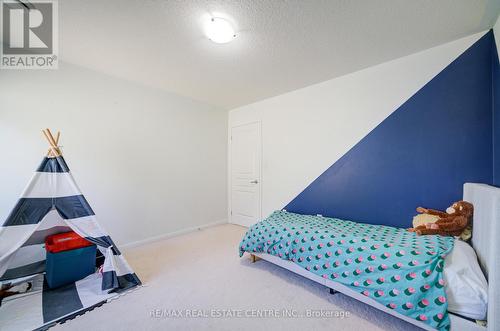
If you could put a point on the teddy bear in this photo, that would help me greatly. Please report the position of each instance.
(453, 222)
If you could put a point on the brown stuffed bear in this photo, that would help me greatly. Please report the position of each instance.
(452, 223)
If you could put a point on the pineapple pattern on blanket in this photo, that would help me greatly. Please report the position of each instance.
(395, 267)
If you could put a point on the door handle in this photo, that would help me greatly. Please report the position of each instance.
(255, 181)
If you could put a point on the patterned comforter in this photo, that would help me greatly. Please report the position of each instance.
(395, 267)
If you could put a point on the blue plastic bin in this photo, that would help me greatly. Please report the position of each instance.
(69, 266)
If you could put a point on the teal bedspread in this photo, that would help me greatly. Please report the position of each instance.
(395, 267)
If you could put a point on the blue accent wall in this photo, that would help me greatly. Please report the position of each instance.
(495, 67)
(420, 155)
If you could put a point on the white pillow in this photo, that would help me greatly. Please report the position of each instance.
(466, 286)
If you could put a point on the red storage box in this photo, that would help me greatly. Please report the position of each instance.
(64, 242)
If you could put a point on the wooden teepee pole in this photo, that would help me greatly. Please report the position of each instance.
(55, 151)
(49, 152)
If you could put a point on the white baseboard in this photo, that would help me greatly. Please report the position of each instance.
(171, 234)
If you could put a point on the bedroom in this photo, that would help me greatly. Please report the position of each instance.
(188, 126)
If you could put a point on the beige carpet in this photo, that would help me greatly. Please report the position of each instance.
(202, 272)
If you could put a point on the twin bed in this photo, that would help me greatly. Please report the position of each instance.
(432, 282)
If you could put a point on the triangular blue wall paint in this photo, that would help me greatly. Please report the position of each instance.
(421, 155)
(495, 69)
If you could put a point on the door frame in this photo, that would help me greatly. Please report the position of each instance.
(230, 168)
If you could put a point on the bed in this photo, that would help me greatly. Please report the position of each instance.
(357, 275)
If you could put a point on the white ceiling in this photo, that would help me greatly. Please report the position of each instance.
(281, 45)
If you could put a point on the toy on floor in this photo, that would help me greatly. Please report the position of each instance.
(453, 222)
(9, 290)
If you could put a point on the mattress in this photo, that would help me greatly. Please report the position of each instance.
(396, 268)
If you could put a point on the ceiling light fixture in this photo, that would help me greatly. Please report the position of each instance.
(219, 30)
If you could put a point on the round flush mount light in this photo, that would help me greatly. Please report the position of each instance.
(219, 30)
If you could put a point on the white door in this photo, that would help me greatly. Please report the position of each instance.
(245, 174)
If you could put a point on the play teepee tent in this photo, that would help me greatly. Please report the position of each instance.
(52, 203)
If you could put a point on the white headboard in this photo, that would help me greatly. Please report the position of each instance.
(486, 241)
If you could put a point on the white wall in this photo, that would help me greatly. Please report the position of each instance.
(148, 161)
(306, 131)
